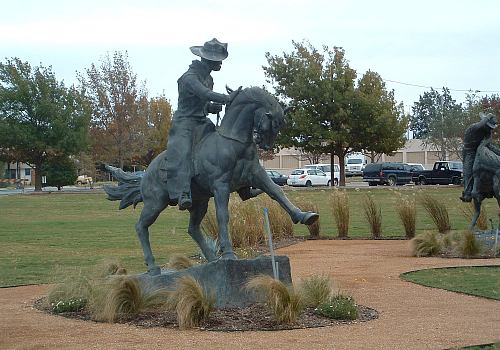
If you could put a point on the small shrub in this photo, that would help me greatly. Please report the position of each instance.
(180, 262)
(340, 307)
(315, 290)
(438, 212)
(191, 302)
(340, 207)
(305, 205)
(407, 212)
(285, 304)
(469, 210)
(426, 244)
(373, 215)
(71, 305)
(467, 246)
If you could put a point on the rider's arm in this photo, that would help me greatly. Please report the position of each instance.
(196, 87)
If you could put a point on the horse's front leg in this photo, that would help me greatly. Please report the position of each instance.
(221, 196)
(264, 182)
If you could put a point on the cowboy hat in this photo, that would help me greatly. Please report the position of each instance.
(212, 50)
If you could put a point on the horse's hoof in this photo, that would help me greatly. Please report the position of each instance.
(309, 218)
(154, 271)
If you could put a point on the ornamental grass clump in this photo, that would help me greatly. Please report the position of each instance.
(285, 303)
(426, 244)
(340, 208)
(180, 262)
(339, 307)
(469, 210)
(124, 297)
(437, 211)
(467, 245)
(72, 294)
(191, 302)
(315, 290)
(407, 211)
(373, 215)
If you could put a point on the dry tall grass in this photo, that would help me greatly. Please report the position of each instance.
(469, 211)
(467, 246)
(316, 290)
(426, 244)
(280, 221)
(437, 211)
(180, 262)
(373, 215)
(285, 303)
(123, 296)
(340, 208)
(246, 221)
(191, 302)
(406, 208)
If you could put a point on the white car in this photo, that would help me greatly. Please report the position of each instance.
(327, 169)
(308, 178)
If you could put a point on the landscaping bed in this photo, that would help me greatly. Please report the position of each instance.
(253, 318)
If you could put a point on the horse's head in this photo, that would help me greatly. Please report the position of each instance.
(264, 115)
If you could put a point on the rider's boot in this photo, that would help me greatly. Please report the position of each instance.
(185, 201)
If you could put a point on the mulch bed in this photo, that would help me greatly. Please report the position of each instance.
(252, 318)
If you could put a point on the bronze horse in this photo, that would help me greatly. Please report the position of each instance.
(486, 177)
(225, 160)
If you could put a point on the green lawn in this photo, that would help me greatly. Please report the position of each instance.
(483, 281)
(42, 234)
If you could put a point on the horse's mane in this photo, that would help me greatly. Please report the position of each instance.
(257, 95)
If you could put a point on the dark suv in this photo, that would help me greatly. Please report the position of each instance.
(387, 173)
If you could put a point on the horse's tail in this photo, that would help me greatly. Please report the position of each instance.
(128, 191)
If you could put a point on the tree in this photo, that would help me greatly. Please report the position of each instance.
(119, 125)
(329, 114)
(39, 117)
(60, 171)
(159, 120)
(440, 121)
(381, 121)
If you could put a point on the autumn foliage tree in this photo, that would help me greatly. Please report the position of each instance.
(117, 125)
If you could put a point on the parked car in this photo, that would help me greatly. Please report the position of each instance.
(327, 169)
(387, 173)
(308, 178)
(442, 173)
(278, 178)
(84, 180)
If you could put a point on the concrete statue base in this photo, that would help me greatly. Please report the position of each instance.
(224, 279)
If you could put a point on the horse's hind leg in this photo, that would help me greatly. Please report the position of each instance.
(197, 213)
(476, 199)
(149, 214)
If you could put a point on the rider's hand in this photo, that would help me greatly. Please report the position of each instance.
(214, 107)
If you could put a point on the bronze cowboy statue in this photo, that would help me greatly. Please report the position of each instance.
(481, 164)
(202, 162)
(196, 100)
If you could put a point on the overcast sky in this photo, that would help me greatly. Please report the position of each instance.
(428, 43)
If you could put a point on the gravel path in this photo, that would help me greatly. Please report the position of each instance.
(411, 316)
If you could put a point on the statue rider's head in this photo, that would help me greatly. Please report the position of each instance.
(212, 53)
(491, 120)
